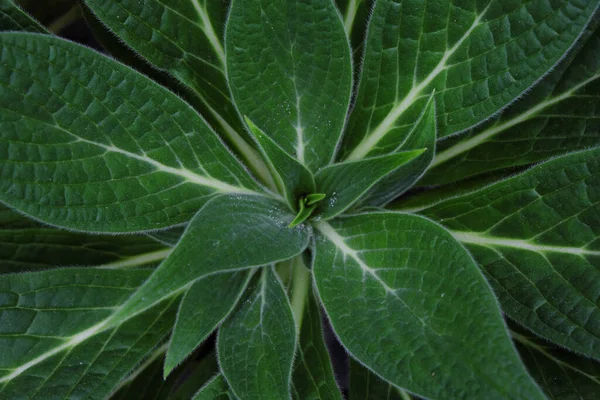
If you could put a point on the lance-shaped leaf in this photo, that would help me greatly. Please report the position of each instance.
(536, 236)
(293, 177)
(215, 389)
(229, 233)
(169, 237)
(289, 68)
(559, 115)
(256, 344)
(366, 385)
(54, 340)
(422, 136)
(13, 18)
(345, 183)
(89, 144)
(478, 57)
(562, 375)
(204, 306)
(407, 300)
(37, 248)
(313, 374)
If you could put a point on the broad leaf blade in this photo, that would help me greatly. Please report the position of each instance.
(216, 389)
(478, 57)
(536, 237)
(289, 68)
(204, 306)
(168, 237)
(366, 385)
(422, 136)
(229, 233)
(13, 18)
(294, 178)
(404, 298)
(557, 116)
(89, 144)
(346, 183)
(52, 339)
(256, 344)
(313, 374)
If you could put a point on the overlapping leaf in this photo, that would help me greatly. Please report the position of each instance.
(216, 389)
(13, 18)
(89, 144)
(366, 385)
(407, 300)
(290, 72)
(536, 236)
(478, 57)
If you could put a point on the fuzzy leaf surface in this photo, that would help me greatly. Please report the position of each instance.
(256, 343)
(216, 389)
(407, 300)
(290, 72)
(366, 385)
(477, 56)
(89, 144)
(536, 236)
(54, 341)
(13, 18)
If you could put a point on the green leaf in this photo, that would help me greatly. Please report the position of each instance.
(536, 237)
(313, 377)
(256, 344)
(88, 144)
(13, 18)
(409, 302)
(199, 313)
(557, 116)
(289, 68)
(365, 385)
(477, 56)
(293, 177)
(30, 249)
(347, 182)
(422, 136)
(561, 374)
(169, 237)
(216, 389)
(54, 337)
(229, 233)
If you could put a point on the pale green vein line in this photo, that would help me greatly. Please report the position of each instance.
(141, 259)
(476, 140)
(134, 374)
(482, 240)
(210, 32)
(351, 15)
(370, 140)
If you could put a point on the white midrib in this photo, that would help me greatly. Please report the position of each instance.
(210, 31)
(184, 173)
(482, 240)
(371, 140)
(475, 141)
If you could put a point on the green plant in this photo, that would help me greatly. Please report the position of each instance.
(467, 150)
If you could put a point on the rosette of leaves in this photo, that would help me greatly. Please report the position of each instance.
(416, 173)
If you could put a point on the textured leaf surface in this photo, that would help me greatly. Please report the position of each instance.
(229, 233)
(168, 237)
(53, 339)
(559, 115)
(204, 306)
(30, 249)
(216, 389)
(313, 377)
(345, 183)
(13, 18)
(365, 385)
(536, 236)
(478, 56)
(89, 144)
(256, 344)
(289, 67)
(561, 374)
(409, 302)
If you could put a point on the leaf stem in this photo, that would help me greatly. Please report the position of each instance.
(66, 19)
(142, 259)
(300, 287)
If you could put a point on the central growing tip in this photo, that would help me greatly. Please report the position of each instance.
(306, 206)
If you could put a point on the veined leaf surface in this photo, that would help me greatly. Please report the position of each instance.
(560, 114)
(54, 341)
(89, 144)
(536, 236)
(407, 300)
(477, 56)
(216, 389)
(290, 72)
(256, 344)
(366, 385)
(13, 18)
